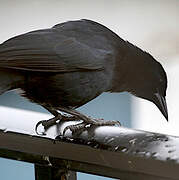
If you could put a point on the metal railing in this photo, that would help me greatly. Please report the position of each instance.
(116, 152)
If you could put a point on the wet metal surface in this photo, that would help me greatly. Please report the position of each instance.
(139, 143)
(110, 151)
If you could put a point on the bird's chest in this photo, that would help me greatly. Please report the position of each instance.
(68, 89)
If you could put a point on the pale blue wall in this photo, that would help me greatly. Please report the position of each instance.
(16, 170)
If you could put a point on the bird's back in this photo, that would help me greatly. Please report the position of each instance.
(75, 60)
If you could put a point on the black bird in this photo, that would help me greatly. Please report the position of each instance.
(66, 66)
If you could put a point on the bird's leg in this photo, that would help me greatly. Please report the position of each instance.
(86, 121)
(50, 122)
(47, 123)
(75, 115)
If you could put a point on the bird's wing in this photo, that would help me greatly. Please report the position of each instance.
(48, 51)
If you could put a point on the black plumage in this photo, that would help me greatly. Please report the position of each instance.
(66, 66)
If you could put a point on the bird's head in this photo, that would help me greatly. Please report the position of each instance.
(149, 82)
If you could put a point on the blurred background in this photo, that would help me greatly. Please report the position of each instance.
(151, 25)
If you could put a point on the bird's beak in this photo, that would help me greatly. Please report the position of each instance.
(160, 102)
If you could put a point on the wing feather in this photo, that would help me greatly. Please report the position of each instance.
(49, 51)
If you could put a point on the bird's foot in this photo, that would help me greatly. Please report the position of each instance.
(53, 121)
(102, 122)
(88, 122)
(75, 128)
(47, 123)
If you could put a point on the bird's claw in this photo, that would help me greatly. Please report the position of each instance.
(37, 125)
(75, 128)
(47, 123)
